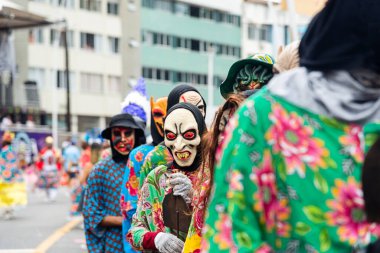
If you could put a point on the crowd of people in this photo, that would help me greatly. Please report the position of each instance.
(279, 169)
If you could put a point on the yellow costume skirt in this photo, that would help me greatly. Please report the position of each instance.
(13, 194)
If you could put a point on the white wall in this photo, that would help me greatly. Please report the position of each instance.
(104, 63)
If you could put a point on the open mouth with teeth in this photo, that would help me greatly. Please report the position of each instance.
(183, 155)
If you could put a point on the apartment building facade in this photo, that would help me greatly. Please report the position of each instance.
(267, 24)
(94, 39)
(176, 37)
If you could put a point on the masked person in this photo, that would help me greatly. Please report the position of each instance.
(49, 165)
(12, 185)
(101, 209)
(248, 74)
(210, 143)
(293, 153)
(184, 127)
(128, 198)
(160, 155)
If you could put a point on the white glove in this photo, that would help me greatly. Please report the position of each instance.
(181, 186)
(168, 243)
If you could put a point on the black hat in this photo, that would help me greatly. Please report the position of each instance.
(345, 35)
(124, 120)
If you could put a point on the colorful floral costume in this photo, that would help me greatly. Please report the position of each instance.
(194, 235)
(12, 185)
(102, 199)
(129, 189)
(160, 155)
(149, 216)
(279, 188)
(48, 167)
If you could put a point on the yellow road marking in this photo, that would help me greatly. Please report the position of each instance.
(58, 234)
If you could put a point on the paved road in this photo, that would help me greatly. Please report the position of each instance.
(44, 226)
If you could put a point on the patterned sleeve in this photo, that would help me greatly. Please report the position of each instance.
(235, 225)
(92, 210)
(158, 156)
(140, 224)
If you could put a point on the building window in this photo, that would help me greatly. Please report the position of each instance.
(265, 33)
(54, 36)
(37, 75)
(91, 5)
(92, 83)
(114, 84)
(113, 7)
(194, 11)
(91, 42)
(113, 44)
(252, 32)
(36, 36)
(64, 3)
(182, 8)
(59, 78)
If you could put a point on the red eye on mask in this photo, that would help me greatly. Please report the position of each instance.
(170, 136)
(189, 135)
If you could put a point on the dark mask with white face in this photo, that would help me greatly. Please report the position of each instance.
(184, 126)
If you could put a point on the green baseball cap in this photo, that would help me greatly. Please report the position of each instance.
(265, 60)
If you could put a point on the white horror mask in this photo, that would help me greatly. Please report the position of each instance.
(182, 136)
(194, 98)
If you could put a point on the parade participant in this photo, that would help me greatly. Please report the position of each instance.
(101, 210)
(48, 165)
(210, 142)
(160, 155)
(184, 127)
(12, 185)
(251, 73)
(128, 199)
(95, 150)
(137, 101)
(293, 155)
(71, 157)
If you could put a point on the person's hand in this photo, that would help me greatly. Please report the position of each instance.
(181, 186)
(168, 243)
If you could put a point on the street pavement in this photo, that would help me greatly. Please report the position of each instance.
(42, 227)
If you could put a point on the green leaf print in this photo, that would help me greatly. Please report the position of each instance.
(282, 171)
(314, 214)
(302, 228)
(243, 239)
(320, 183)
(325, 240)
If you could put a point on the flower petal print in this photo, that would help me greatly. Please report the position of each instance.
(224, 237)
(353, 142)
(294, 140)
(347, 212)
(275, 211)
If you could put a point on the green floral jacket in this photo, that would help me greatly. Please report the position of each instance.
(288, 180)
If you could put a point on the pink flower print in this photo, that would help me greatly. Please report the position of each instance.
(266, 195)
(347, 212)
(293, 139)
(264, 249)
(139, 156)
(124, 206)
(235, 183)
(282, 213)
(224, 237)
(157, 216)
(133, 184)
(353, 142)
